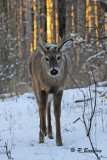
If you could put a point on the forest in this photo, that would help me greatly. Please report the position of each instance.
(23, 22)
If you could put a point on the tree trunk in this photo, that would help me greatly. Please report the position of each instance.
(28, 27)
(68, 17)
(81, 6)
(62, 17)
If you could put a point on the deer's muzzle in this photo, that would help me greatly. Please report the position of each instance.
(54, 72)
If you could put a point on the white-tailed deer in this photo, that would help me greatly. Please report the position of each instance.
(49, 68)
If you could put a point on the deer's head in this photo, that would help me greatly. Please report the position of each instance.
(53, 56)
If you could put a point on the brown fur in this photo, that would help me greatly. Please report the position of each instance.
(43, 84)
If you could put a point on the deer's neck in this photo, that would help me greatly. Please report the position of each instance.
(54, 83)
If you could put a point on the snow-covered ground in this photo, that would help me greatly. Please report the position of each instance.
(19, 128)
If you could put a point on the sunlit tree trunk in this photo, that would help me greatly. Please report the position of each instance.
(93, 29)
(37, 20)
(43, 20)
(54, 25)
(28, 27)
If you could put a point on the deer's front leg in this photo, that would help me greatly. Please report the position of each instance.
(57, 111)
(49, 129)
(42, 114)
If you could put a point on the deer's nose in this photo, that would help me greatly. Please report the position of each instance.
(54, 72)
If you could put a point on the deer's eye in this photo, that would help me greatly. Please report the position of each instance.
(58, 58)
(47, 59)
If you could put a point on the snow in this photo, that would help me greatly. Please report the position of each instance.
(19, 127)
(95, 56)
(100, 84)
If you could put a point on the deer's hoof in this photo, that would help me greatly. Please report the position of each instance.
(59, 142)
(50, 135)
(41, 138)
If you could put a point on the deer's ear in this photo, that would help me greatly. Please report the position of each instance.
(66, 45)
(42, 47)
